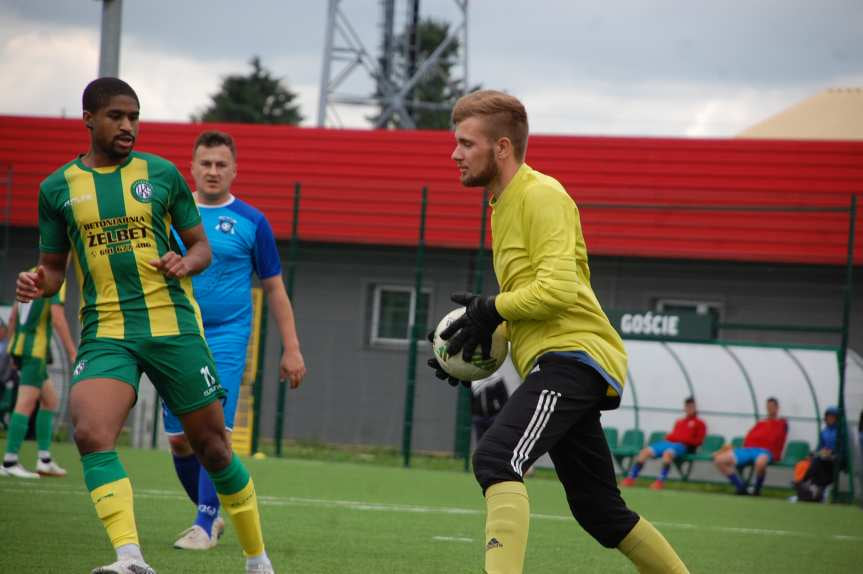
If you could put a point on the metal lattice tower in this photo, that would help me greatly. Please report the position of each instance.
(345, 57)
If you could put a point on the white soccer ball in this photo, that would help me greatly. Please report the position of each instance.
(477, 368)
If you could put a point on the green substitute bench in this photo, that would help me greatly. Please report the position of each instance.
(625, 452)
(795, 451)
(711, 444)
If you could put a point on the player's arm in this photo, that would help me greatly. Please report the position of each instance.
(551, 228)
(61, 327)
(187, 222)
(54, 246)
(700, 433)
(45, 281)
(13, 319)
(196, 259)
(292, 366)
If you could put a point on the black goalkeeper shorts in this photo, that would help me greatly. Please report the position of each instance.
(557, 410)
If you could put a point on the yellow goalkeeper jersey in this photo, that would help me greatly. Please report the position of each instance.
(540, 260)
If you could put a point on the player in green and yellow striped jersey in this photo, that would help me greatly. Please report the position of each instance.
(113, 208)
(30, 333)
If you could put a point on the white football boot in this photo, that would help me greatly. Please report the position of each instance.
(193, 538)
(17, 471)
(125, 566)
(49, 469)
(217, 531)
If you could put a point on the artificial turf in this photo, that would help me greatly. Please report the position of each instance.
(338, 517)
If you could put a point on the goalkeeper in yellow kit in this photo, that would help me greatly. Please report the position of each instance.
(571, 359)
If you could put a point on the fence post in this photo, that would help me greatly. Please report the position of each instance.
(293, 248)
(416, 333)
(463, 414)
(842, 439)
(257, 385)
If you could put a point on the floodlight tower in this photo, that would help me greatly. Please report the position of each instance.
(109, 49)
(345, 56)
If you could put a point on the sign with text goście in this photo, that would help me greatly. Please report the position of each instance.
(661, 325)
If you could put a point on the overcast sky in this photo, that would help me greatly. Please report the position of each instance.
(616, 67)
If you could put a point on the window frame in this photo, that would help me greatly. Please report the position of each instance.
(378, 289)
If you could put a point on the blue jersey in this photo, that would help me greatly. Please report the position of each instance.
(242, 243)
(827, 437)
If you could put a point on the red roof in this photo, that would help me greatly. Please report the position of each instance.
(639, 197)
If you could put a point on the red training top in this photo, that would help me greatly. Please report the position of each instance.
(769, 434)
(688, 430)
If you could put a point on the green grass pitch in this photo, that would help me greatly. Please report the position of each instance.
(334, 517)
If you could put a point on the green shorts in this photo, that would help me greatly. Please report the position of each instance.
(32, 371)
(181, 367)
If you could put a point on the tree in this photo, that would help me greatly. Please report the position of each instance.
(436, 87)
(258, 98)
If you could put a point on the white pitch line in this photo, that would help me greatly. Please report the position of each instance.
(38, 487)
(452, 538)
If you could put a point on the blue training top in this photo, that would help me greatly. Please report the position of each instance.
(242, 242)
(827, 437)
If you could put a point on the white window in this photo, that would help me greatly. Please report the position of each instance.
(395, 309)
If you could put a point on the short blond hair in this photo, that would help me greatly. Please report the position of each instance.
(505, 114)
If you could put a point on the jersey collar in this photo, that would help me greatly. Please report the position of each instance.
(107, 168)
(225, 203)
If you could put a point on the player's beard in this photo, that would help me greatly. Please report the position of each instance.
(488, 174)
(114, 153)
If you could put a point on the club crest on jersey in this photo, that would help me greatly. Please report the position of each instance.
(142, 190)
(226, 224)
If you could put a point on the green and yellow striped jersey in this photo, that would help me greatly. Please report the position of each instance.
(33, 327)
(116, 220)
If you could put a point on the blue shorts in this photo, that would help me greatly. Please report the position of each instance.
(660, 447)
(229, 354)
(747, 455)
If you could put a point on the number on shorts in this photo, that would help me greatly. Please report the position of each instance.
(208, 376)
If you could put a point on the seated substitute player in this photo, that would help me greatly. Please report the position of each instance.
(111, 207)
(763, 444)
(30, 331)
(571, 360)
(686, 436)
(242, 243)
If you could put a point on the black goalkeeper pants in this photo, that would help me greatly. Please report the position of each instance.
(556, 410)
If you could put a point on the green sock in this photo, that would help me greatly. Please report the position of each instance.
(44, 420)
(231, 479)
(17, 431)
(101, 468)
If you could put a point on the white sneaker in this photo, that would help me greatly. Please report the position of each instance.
(217, 530)
(49, 469)
(17, 471)
(194, 538)
(126, 566)
(260, 568)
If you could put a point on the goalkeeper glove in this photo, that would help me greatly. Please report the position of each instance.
(438, 370)
(474, 328)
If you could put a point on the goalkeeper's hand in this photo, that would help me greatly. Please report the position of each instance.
(474, 328)
(438, 370)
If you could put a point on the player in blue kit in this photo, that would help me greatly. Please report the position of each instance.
(242, 243)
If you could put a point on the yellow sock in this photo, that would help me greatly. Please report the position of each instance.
(242, 507)
(115, 508)
(506, 525)
(650, 551)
